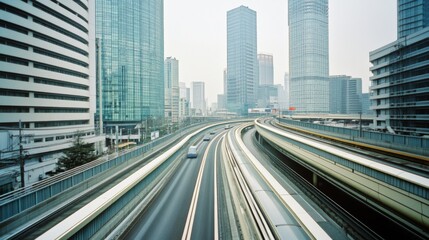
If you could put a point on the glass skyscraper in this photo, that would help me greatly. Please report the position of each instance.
(131, 36)
(309, 55)
(413, 15)
(242, 61)
(266, 70)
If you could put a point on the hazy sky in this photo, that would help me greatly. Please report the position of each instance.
(195, 34)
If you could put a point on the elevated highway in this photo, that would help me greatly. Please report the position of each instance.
(234, 188)
(398, 190)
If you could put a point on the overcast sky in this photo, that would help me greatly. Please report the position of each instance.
(195, 34)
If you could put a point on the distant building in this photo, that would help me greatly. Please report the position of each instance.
(309, 55)
(282, 98)
(267, 96)
(366, 104)
(354, 96)
(413, 16)
(286, 89)
(346, 94)
(266, 69)
(399, 85)
(184, 101)
(171, 90)
(221, 103)
(338, 94)
(198, 98)
(242, 62)
(225, 79)
(47, 84)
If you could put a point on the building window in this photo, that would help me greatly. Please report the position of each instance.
(49, 139)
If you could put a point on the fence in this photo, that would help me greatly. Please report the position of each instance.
(17, 201)
(410, 144)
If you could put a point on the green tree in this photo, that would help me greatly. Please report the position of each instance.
(79, 154)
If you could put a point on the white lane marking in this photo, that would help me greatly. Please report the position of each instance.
(187, 232)
(216, 225)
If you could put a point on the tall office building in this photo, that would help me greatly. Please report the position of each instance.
(267, 96)
(221, 104)
(413, 15)
(266, 69)
(366, 104)
(286, 90)
(47, 70)
(399, 85)
(171, 93)
(309, 55)
(282, 98)
(225, 77)
(354, 96)
(338, 94)
(184, 101)
(345, 94)
(242, 61)
(131, 37)
(199, 98)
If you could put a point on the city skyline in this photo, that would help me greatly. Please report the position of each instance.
(347, 27)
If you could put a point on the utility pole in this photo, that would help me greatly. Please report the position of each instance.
(360, 124)
(116, 139)
(21, 157)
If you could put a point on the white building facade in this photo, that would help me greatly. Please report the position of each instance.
(198, 98)
(171, 90)
(184, 101)
(47, 80)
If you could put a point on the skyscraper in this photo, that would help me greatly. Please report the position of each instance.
(345, 94)
(309, 55)
(184, 101)
(286, 93)
(354, 96)
(199, 98)
(171, 93)
(413, 15)
(47, 80)
(399, 85)
(225, 77)
(266, 70)
(366, 104)
(338, 94)
(131, 37)
(242, 62)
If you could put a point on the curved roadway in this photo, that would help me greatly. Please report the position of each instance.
(167, 215)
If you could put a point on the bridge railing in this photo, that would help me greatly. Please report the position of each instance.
(19, 200)
(417, 145)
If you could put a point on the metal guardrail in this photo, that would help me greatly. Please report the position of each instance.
(86, 221)
(417, 145)
(19, 200)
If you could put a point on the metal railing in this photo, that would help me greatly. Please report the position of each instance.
(417, 145)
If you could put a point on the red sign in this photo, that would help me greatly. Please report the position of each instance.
(292, 108)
